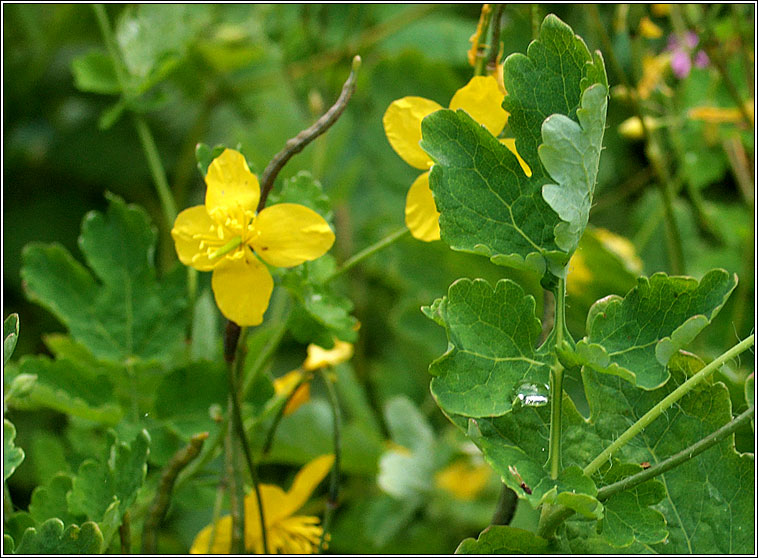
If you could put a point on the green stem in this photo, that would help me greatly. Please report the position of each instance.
(222, 485)
(280, 310)
(232, 352)
(557, 514)
(236, 494)
(665, 403)
(556, 383)
(367, 252)
(536, 19)
(677, 459)
(280, 415)
(480, 56)
(156, 170)
(111, 45)
(146, 137)
(331, 503)
(495, 42)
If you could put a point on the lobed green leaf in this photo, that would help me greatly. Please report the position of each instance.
(487, 204)
(10, 336)
(504, 539)
(635, 337)
(491, 335)
(129, 314)
(51, 538)
(12, 455)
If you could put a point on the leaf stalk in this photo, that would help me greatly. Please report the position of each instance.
(665, 403)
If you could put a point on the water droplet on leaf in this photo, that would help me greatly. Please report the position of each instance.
(532, 394)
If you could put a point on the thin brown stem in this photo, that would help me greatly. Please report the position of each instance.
(298, 143)
(157, 512)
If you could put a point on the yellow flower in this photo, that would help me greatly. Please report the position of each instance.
(649, 30)
(660, 10)
(226, 236)
(286, 533)
(463, 480)
(719, 115)
(298, 381)
(319, 357)
(481, 98)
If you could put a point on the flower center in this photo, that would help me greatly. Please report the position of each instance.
(232, 230)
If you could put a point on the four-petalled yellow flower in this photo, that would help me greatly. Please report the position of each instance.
(286, 533)
(481, 98)
(226, 236)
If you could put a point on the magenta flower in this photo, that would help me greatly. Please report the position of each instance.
(682, 54)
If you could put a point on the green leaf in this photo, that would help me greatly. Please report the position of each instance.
(128, 315)
(320, 313)
(503, 539)
(487, 204)
(628, 517)
(12, 455)
(205, 155)
(575, 174)
(206, 339)
(50, 500)
(10, 337)
(635, 337)
(491, 334)
(103, 490)
(716, 488)
(305, 190)
(8, 544)
(516, 446)
(94, 73)
(153, 38)
(185, 395)
(51, 538)
(65, 386)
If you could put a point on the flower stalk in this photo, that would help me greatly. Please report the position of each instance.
(368, 251)
(334, 479)
(231, 355)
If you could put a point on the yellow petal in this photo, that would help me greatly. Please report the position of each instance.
(463, 480)
(273, 499)
(242, 288)
(510, 143)
(189, 223)
(481, 98)
(306, 481)
(290, 234)
(285, 385)
(402, 125)
(222, 541)
(230, 183)
(319, 357)
(421, 215)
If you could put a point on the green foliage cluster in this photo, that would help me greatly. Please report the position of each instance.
(113, 351)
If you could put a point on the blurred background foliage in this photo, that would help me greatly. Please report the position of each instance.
(255, 75)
